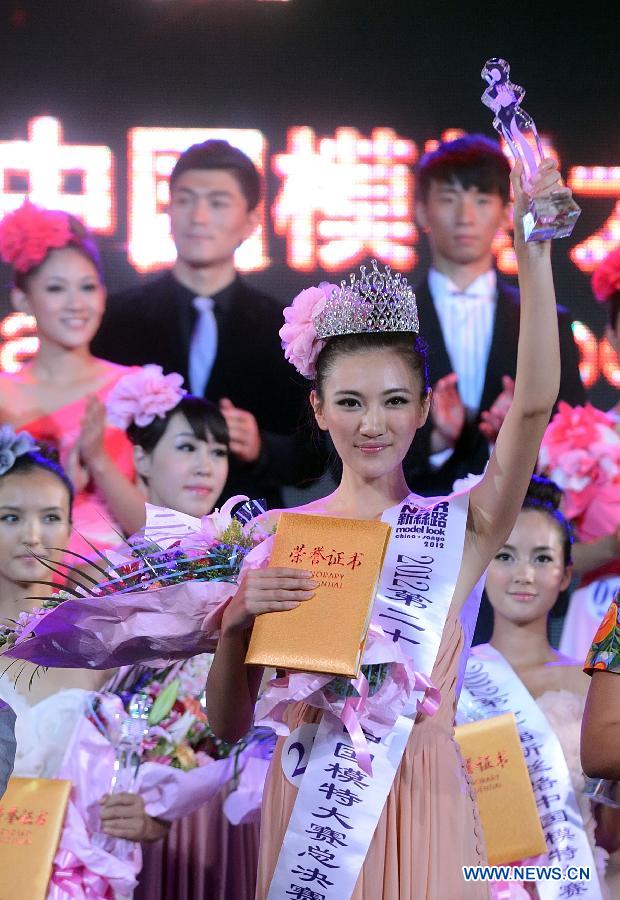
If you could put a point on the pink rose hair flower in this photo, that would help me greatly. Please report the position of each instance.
(143, 395)
(606, 277)
(580, 451)
(29, 233)
(299, 341)
(574, 428)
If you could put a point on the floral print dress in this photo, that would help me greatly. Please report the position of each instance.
(605, 650)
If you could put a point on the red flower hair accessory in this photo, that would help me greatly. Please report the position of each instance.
(29, 233)
(606, 277)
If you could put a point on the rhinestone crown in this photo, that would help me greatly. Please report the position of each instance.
(374, 301)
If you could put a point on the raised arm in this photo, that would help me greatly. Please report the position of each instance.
(496, 500)
(123, 498)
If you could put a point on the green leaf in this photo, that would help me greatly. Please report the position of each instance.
(164, 702)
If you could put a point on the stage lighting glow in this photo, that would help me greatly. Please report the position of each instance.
(77, 178)
(609, 363)
(596, 181)
(340, 199)
(587, 344)
(345, 198)
(152, 153)
(18, 332)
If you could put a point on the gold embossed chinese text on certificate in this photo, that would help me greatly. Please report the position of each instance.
(32, 811)
(494, 761)
(325, 634)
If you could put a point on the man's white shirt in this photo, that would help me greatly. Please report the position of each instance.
(466, 319)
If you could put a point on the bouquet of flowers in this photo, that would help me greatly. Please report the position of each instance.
(178, 767)
(581, 453)
(159, 599)
(179, 733)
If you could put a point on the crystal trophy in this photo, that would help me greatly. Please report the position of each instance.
(547, 217)
(127, 735)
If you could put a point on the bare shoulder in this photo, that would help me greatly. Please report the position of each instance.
(110, 369)
(12, 392)
(572, 676)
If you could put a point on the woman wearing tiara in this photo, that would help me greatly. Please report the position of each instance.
(406, 831)
(57, 395)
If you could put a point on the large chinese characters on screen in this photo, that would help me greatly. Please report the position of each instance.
(339, 199)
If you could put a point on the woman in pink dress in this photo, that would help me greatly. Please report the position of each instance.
(58, 395)
(581, 452)
(371, 394)
(181, 445)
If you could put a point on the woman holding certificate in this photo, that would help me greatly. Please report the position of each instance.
(406, 830)
(36, 499)
(525, 675)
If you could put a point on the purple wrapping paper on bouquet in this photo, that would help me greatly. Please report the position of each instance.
(156, 627)
(162, 598)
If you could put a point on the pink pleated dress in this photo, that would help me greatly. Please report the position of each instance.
(429, 828)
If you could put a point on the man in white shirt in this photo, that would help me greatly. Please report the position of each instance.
(469, 316)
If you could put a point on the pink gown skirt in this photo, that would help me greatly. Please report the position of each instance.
(203, 857)
(429, 828)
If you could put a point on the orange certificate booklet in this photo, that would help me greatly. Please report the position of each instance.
(494, 759)
(32, 811)
(327, 633)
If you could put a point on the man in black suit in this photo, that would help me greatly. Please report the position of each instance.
(202, 320)
(468, 314)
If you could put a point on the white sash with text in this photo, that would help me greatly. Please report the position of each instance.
(491, 687)
(338, 806)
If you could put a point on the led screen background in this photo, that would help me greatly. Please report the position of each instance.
(308, 86)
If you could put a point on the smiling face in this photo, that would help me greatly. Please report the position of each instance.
(528, 573)
(66, 296)
(209, 216)
(461, 224)
(183, 471)
(34, 517)
(371, 406)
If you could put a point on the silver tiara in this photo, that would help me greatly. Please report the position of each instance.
(374, 301)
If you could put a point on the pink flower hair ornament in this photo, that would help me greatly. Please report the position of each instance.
(142, 395)
(580, 451)
(299, 338)
(30, 232)
(606, 277)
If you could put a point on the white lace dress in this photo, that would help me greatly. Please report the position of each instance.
(43, 730)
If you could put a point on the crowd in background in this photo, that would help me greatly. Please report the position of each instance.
(229, 416)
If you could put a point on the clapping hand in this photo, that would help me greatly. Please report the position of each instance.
(245, 439)
(491, 419)
(447, 414)
(92, 433)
